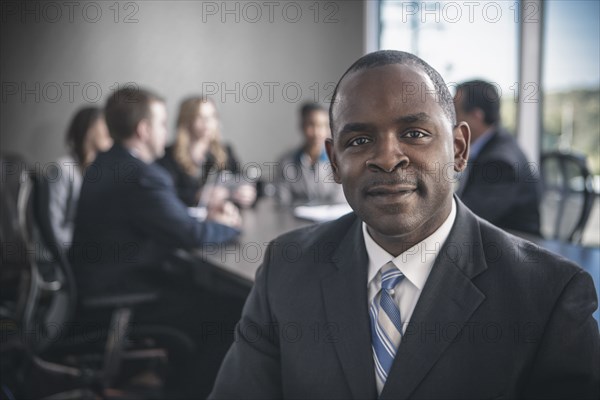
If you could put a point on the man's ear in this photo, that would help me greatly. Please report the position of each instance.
(142, 130)
(479, 115)
(332, 159)
(462, 144)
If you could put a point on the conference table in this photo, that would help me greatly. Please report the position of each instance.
(231, 267)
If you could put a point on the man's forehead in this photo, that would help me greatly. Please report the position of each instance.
(317, 114)
(158, 109)
(391, 85)
(402, 77)
(158, 105)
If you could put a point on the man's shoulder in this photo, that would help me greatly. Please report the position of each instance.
(523, 258)
(297, 261)
(523, 280)
(291, 156)
(125, 169)
(305, 241)
(116, 162)
(502, 147)
(155, 174)
(477, 246)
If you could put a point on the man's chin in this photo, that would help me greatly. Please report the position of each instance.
(390, 228)
(390, 210)
(390, 221)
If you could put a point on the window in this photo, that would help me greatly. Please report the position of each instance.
(571, 79)
(461, 40)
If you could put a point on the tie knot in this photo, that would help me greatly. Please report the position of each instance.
(390, 276)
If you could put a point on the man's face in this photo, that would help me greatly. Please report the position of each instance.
(394, 152)
(157, 129)
(316, 128)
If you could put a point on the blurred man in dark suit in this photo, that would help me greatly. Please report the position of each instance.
(412, 295)
(499, 184)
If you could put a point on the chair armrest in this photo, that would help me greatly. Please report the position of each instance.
(125, 300)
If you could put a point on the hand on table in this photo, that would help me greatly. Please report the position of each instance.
(226, 213)
(244, 195)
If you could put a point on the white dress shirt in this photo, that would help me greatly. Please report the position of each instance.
(415, 263)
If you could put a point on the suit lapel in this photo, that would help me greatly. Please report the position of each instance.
(345, 297)
(448, 300)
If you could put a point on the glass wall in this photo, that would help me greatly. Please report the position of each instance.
(462, 40)
(571, 79)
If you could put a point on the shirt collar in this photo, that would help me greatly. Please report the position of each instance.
(416, 262)
(132, 152)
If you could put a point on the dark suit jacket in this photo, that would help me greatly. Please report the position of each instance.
(128, 219)
(502, 187)
(497, 318)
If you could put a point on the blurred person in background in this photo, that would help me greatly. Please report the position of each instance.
(305, 174)
(498, 184)
(87, 135)
(129, 213)
(198, 157)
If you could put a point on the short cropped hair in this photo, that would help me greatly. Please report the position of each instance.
(308, 108)
(125, 109)
(387, 57)
(483, 95)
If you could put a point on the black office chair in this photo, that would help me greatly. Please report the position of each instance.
(14, 272)
(23, 288)
(567, 196)
(121, 351)
(37, 346)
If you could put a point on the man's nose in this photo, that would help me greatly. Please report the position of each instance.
(389, 155)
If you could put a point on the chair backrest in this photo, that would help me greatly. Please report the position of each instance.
(567, 196)
(44, 291)
(15, 267)
(41, 213)
(55, 277)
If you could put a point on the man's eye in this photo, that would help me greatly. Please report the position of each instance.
(415, 134)
(358, 141)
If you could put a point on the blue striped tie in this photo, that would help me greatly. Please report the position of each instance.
(386, 324)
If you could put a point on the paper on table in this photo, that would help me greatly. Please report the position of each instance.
(322, 213)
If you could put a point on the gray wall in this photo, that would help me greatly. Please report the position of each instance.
(58, 56)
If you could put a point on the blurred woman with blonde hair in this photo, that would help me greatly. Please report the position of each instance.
(197, 153)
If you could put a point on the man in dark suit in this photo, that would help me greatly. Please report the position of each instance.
(412, 295)
(499, 184)
(129, 217)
